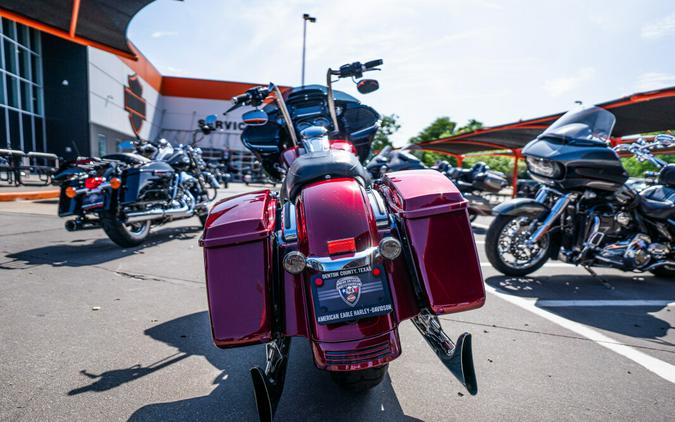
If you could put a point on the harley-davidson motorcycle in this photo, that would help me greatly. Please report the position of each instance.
(126, 193)
(584, 213)
(475, 183)
(334, 257)
(390, 159)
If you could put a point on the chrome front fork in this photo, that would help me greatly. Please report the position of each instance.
(556, 212)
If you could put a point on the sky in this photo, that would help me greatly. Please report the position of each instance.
(495, 61)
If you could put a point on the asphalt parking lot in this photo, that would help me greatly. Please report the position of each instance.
(94, 332)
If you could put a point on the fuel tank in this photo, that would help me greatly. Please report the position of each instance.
(590, 165)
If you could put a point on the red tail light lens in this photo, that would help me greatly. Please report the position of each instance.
(341, 246)
(93, 182)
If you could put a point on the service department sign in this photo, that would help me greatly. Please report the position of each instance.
(134, 103)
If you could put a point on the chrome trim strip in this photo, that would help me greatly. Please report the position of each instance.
(360, 259)
(379, 209)
(289, 228)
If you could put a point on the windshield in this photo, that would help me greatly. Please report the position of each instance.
(165, 151)
(593, 124)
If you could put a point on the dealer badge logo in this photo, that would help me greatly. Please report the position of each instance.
(349, 289)
(134, 103)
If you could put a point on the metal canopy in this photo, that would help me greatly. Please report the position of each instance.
(98, 23)
(638, 113)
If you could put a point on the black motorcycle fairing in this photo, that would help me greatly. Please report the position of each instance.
(658, 202)
(358, 123)
(316, 166)
(667, 175)
(591, 166)
(179, 160)
(525, 206)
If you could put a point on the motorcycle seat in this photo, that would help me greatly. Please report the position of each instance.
(127, 158)
(322, 165)
(658, 202)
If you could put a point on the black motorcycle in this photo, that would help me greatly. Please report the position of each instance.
(390, 159)
(126, 193)
(475, 183)
(584, 213)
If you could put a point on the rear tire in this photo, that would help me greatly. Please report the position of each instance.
(359, 381)
(492, 238)
(126, 236)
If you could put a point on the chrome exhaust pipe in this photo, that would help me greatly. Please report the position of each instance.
(77, 225)
(158, 213)
(457, 357)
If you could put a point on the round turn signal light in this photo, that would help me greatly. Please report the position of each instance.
(71, 192)
(115, 183)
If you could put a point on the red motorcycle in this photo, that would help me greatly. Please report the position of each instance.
(333, 256)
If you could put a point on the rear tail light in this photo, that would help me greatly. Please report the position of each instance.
(294, 262)
(93, 182)
(390, 248)
(71, 192)
(341, 246)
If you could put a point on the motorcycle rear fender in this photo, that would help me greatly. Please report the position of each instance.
(332, 210)
(523, 206)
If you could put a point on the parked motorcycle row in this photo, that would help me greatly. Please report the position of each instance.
(127, 193)
(345, 251)
(476, 183)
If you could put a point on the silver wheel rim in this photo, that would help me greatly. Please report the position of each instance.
(512, 245)
(136, 229)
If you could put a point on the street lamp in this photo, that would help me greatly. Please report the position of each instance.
(305, 18)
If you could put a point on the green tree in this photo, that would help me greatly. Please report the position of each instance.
(388, 126)
(442, 127)
(636, 168)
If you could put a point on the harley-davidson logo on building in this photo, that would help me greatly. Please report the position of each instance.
(134, 103)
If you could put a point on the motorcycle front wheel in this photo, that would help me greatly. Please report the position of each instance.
(124, 235)
(358, 381)
(507, 249)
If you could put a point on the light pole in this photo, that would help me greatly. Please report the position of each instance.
(305, 18)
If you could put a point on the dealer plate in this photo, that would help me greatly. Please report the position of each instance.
(349, 295)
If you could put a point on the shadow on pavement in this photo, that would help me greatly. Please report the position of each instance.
(633, 321)
(77, 253)
(309, 392)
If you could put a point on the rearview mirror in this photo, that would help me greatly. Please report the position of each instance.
(366, 86)
(208, 125)
(255, 118)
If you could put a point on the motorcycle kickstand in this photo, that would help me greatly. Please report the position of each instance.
(269, 384)
(595, 275)
(457, 357)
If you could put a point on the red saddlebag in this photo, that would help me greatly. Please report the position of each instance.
(435, 222)
(238, 245)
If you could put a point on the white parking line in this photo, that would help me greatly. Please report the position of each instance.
(657, 366)
(580, 303)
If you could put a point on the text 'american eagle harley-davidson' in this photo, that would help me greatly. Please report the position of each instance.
(334, 257)
(584, 213)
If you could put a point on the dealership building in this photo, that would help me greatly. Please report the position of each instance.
(72, 93)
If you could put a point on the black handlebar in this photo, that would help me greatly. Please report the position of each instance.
(356, 69)
(241, 99)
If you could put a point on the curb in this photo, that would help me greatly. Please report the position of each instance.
(44, 194)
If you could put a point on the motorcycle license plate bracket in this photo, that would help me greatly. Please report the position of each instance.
(350, 294)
